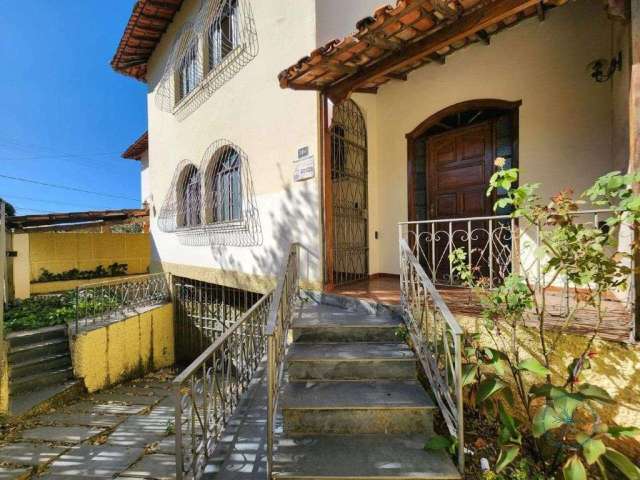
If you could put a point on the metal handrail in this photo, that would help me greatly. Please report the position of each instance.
(109, 300)
(280, 318)
(209, 390)
(437, 339)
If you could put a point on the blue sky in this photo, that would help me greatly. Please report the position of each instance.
(65, 115)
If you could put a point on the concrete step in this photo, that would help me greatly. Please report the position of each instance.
(356, 407)
(351, 361)
(352, 457)
(37, 365)
(38, 350)
(322, 324)
(29, 337)
(40, 380)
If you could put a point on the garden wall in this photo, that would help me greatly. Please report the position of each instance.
(125, 349)
(615, 367)
(59, 252)
(61, 286)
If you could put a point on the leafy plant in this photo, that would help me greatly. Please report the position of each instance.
(114, 270)
(559, 421)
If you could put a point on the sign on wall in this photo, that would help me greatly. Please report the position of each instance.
(305, 166)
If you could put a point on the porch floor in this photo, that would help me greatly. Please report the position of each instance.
(616, 326)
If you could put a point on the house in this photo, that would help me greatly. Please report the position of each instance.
(383, 138)
(239, 167)
(139, 150)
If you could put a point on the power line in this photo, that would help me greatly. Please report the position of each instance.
(63, 187)
(42, 200)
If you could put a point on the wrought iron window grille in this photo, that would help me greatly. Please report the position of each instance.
(227, 33)
(224, 200)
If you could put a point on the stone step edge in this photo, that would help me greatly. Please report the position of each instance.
(35, 361)
(37, 376)
(35, 346)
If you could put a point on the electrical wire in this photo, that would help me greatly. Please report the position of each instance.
(64, 187)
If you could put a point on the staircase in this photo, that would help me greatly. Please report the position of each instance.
(352, 407)
(39, 366)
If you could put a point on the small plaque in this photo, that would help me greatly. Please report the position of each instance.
(304, 170)
(303, 153)
(12, 253)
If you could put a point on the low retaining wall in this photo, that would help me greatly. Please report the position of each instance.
(615, 367)
(125, 349)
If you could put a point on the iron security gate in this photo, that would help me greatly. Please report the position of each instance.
(202, 312)
(349, 194)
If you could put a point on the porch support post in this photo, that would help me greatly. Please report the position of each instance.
(634, 135)
(327, 190)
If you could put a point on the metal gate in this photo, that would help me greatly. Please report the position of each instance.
(349, 194)
(203, 311)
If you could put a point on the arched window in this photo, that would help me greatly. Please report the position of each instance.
(224, 34)
(226, 186)
(188, 73)
(189, 198)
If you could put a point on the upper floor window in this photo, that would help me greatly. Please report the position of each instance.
(188, 73)
(189, 198)
(227, 187)
(224, 34)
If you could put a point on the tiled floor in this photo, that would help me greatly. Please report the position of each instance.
(124, 432)
(616, 324)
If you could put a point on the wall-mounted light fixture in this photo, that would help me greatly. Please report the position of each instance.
(602, 70)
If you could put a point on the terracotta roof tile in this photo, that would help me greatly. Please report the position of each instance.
(137, 148)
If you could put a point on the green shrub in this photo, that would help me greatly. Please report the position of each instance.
(114, 270)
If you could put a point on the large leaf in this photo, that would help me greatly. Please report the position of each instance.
(469, 372)
(543, 390)
(489, 387)
(622, 463)
(592, 448)
(574, 469)
(508, 454)
(565, 402)
(594, 392)
(546, 419)
(617, 432)
(534, 366)
(437, 442)
(510, 426)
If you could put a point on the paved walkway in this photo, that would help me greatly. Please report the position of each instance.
(125, 432)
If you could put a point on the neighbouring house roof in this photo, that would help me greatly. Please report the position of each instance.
(51, 219)
(137, 148)
(402, 37)
(148, 22)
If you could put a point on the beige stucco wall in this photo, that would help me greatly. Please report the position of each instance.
(145, 190)
(566, 118)
(268, 123)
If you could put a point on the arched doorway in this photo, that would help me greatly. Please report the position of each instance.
(349, 199)
(451, 156)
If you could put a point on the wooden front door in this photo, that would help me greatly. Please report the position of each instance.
(459, 166)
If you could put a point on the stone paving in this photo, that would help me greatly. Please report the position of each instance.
(125, 432)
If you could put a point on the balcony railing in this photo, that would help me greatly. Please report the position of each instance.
(437, 339)
(102, 302)
(494, 246)
(208, 392)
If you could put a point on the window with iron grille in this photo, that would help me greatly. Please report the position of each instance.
(224, 34)
(190, 198)
(188, 73)
(227, 187)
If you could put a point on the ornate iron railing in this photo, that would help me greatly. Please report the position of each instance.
(107, 301)
(494, 246)
(207, 393)
(280, 319)
(437, 339)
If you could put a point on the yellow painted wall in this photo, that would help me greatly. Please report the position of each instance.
(4, 378)
(21, 265)
(122, 350)
(59, 252)
(616, 368)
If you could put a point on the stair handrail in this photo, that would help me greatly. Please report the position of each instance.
(208, 391)
(280, 318)
(437, 338)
